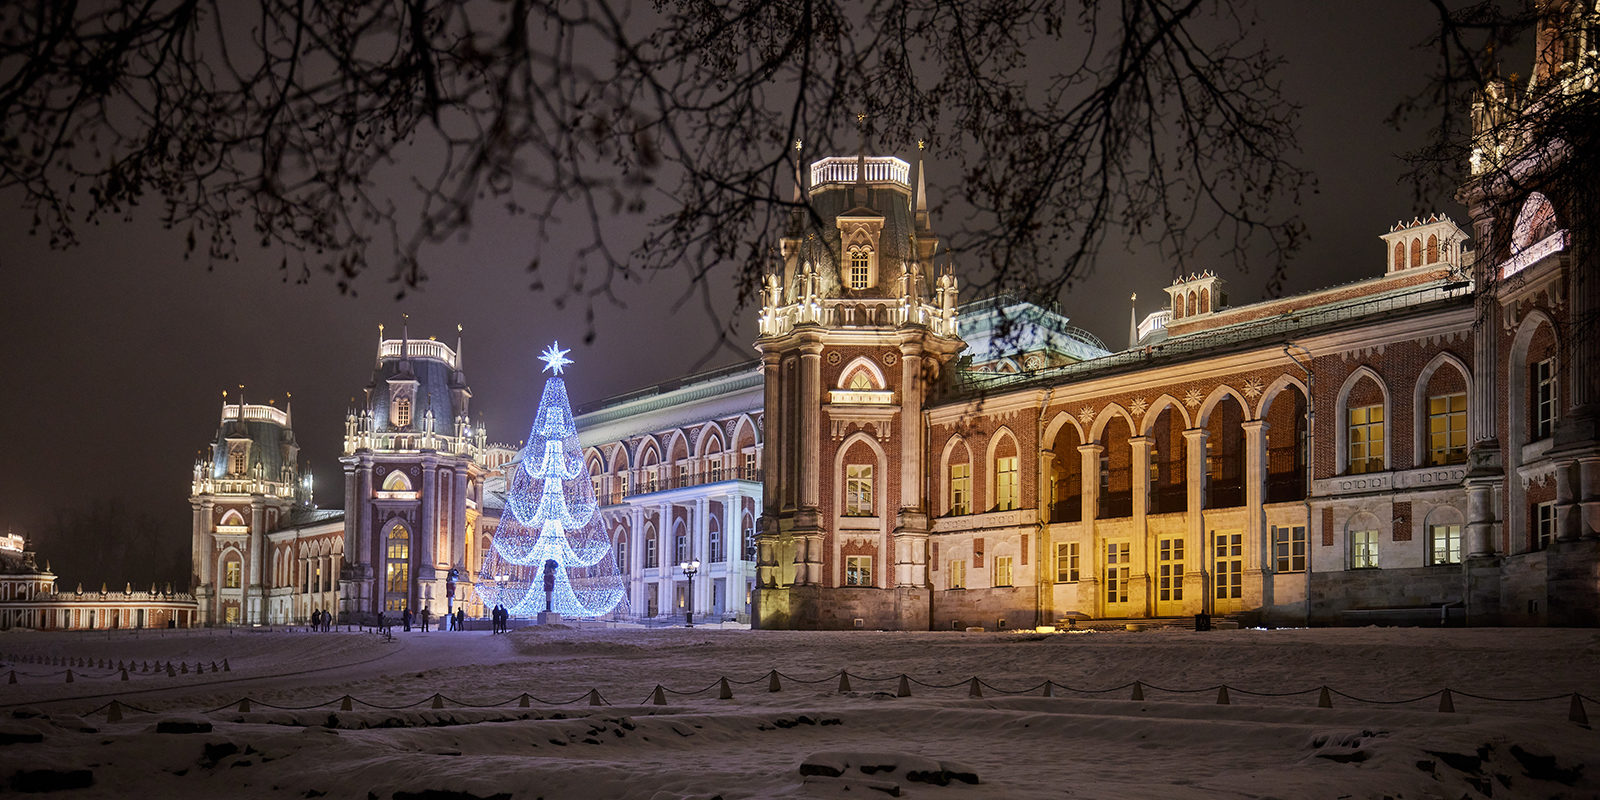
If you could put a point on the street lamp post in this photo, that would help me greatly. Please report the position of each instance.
(689, 569)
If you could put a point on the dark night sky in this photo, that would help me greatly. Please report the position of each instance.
(119, 349)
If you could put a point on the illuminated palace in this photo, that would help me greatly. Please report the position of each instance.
(1418, 446)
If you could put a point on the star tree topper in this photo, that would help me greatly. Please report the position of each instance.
(555, 358)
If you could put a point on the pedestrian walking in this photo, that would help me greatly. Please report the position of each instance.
(405, 620)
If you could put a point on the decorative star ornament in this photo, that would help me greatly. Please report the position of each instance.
(555, 358)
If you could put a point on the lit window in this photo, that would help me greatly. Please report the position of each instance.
(716, 470)
(1169, 570)
(858, 490)
(859, 273)
(683, 548)
(1444, 544)
(683, 474)
(1228, 561)
(622, 484)
(1544, 517)
(594, 482)
(860, 382)
(1544, 398)
(716, 545)
(956, 574)
(650, 561)
(1363, 549)
(1366, 439)
(1067, 562)
(1116, 572)
(1002, 571)
(622, 552)
(1289, 547)
(960, 489)
(1005, 483)
(402, 411)
(232, 578)
(1447, 429)
(397, 569)
(236, 465)
(858, 570)
(749, 466)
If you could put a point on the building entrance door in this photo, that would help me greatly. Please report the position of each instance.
(1169, 577)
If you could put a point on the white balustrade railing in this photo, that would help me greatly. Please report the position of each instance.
(842, 169)
(419, 348)
(253, 413)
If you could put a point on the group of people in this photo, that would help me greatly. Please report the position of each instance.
(450, 622)
(502, 618)
(321, 620)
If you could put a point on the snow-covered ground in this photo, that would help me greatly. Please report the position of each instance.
(809, 739)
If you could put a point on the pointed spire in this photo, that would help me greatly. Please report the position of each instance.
(799, 171)
(920, 205)
(288, 410)
(1133, 320)
(405, 336)
(241, 402)
(861, 148)
(460, 362)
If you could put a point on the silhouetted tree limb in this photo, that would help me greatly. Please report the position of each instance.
(361, 133)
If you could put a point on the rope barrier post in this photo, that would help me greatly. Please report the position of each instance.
(124, 674)
(438, 700)
(1324, 700)
(844, 681)
(1138, 691)
(1447, 704)
(594, 698)
(1222, 695)
(183, 667)
(114, 712)
(199, 668)
(724, 691)
(171, 673)
(213, 666)
(522, 701)
(1575, 712)
(13, 678)
(244, 705)
(225, 667)
(344, 703)
(904, 689)
(659, 696)
(69, 676)
(1049, 689)
(974, 687)
(772, 682)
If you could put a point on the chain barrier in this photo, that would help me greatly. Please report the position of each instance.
(975, 687)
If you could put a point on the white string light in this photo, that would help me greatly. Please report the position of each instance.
(552, 519)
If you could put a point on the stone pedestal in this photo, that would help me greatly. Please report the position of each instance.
(549, 617)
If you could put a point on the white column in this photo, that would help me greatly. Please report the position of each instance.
(636, 598)
(700, 548)
(1141, 586)
(1194, 546)
(1255, 530)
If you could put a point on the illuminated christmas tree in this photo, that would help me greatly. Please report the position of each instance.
(552, 525)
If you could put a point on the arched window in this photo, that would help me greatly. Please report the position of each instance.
(236, 460)
(860, 268)
(717, 554)
(232, 572)
(1205, 301)
(402, 411)
(861, 381)
(1191, 304)
(1416, 252)
(651, 559)
(682, 548)
(397, 568)
(396, 482)
(622, 551)
(858, 490)
(1399, 255)
(1433, 248)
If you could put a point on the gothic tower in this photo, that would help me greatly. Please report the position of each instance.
(853, 330)
(413, 482)
(243, 489)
